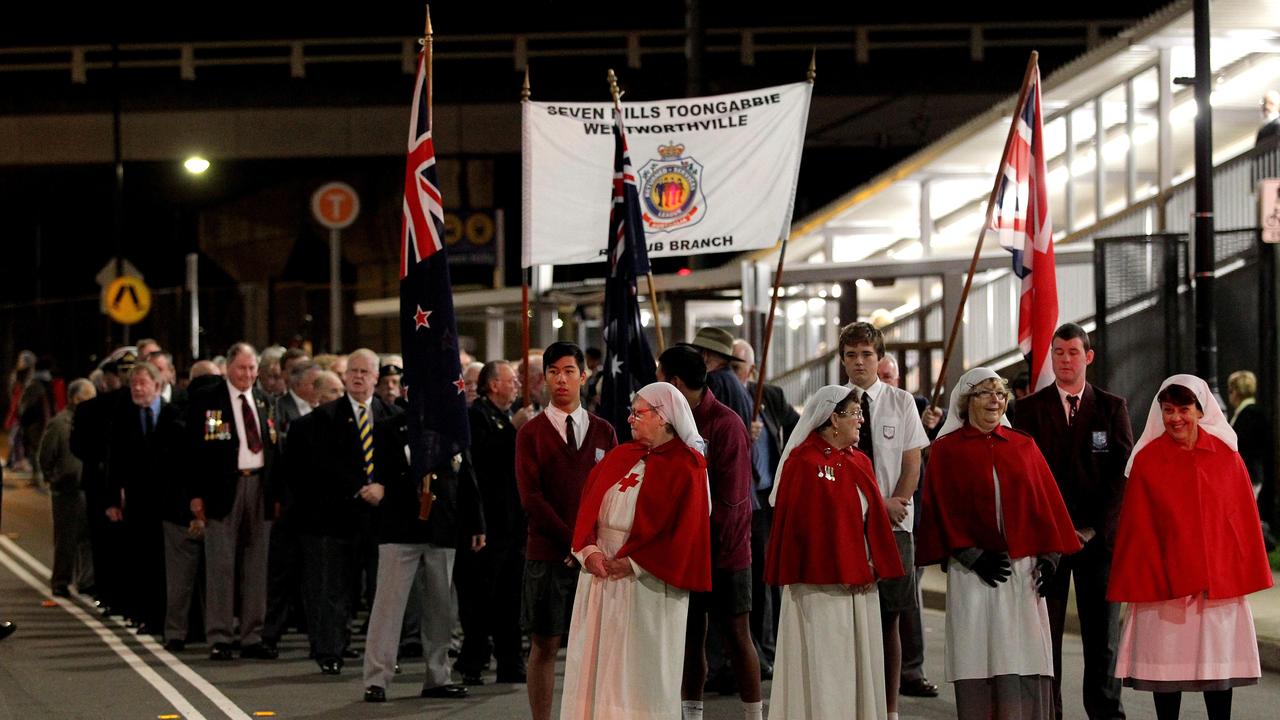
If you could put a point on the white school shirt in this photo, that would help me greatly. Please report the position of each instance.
(895, 428)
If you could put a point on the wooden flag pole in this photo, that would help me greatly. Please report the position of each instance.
(777, 283)
(524, 287)
(653, 291)
(977, 250)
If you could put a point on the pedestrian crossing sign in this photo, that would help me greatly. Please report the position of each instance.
(127, 300)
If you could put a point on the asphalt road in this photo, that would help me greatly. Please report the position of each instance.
(67, 662)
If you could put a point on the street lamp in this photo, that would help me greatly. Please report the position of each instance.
(196, 165)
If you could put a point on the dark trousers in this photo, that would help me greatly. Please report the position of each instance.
(326, 593)
(284, 579)
(489, 585)
(911, 632)
(109, 554)
(1099, 629)
(145, 602)
(766, 602)
(72, 551)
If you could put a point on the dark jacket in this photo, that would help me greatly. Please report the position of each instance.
(729, 470)
(778, 416)
(147, 467)
(456, 512)
(493, 458)
(324, 467)
(1087, 459)
(93, 418)
(212, 464)
(728, 389)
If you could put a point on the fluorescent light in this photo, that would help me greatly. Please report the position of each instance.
(196, 165)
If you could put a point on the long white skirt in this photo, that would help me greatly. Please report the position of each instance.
(1188, 639)
(830, 655)
(993, 631)
(626, 646)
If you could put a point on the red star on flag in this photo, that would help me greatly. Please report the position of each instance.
(420, 318)
(460, 384)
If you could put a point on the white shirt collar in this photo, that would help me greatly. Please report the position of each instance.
(355, 406)
(237, 392)
(873, 391)
(558, 415)
(304, 407)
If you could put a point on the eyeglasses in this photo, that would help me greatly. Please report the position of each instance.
(640, 414)
(985, 395)
(854, 412)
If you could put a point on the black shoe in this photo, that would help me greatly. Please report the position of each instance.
(918, 688)
(447, 692)
(331, 666)
(61, 592)
(351, 654)
(6, 629)
(519, 677)
(472, 679)
(175, 645)
(259, 651)
(373, 693)
(221, 651)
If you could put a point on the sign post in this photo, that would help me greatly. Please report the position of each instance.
(335, 205)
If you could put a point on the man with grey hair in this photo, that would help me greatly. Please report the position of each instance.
(334, 484)
(300, 397)
(163, 362)
(72, 552)
(232, 432)
(271, 377)
(470, 379)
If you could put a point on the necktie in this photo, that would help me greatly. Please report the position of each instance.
(864, 436)
(366, 442)
(148, 422)
(570, 437)
(1074, 402)
(252, 437)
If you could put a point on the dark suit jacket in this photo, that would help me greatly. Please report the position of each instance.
(1253, 437)
(1088, 458)
(779, 419)
(214, 457)
(493, 458)
(286, 412)
(147, 467)
(89, 443)
(324, 467)
(1269, 131)
(456, 514)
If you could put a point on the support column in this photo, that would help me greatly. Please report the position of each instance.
(952, 286)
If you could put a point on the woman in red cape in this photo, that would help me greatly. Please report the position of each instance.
(831, 541)
(643, 537)
(992, 511)
(1188, 549)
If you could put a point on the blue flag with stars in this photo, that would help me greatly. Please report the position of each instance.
(438, 425)
(629, 363)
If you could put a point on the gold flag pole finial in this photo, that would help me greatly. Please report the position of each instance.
(428, 30)
(525, 93)
(613, 86)
(813, 67)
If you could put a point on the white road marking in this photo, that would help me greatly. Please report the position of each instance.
(113, 641)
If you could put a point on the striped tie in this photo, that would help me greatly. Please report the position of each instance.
(366, 443)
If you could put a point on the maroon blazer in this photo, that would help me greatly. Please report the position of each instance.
(729, 467)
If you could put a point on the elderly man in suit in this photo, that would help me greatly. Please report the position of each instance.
(334, 484)
(232, 436)
(1084, 434)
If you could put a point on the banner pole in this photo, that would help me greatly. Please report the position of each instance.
(524, 286)
(811, 75)
(991, 201)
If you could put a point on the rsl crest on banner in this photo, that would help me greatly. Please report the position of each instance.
(671, 190)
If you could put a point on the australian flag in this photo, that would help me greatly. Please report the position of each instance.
(438, 426)
(629, 364)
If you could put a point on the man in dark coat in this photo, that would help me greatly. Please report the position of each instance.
(1084, 434)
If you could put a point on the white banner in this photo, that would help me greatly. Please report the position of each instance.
(716, 174)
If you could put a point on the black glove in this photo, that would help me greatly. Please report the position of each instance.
(1044, 575)
(992, 567)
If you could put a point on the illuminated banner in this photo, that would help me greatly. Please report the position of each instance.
(715, 174)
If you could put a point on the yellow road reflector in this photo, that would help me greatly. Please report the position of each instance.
(264, 713)
(169, 717)
(48, 603)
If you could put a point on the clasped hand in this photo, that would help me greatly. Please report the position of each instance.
(608, 568)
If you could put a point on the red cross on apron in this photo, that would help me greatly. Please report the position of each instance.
(629, 481)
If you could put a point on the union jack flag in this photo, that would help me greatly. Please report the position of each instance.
(1021, 221)
(437, 419)
(629, 364)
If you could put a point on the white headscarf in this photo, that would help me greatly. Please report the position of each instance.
(1214, 421)
(672, 406)
(816, 412)
(968, 380)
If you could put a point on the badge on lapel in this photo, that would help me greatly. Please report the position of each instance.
(599, 454)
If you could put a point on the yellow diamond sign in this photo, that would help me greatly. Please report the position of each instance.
(127, 300)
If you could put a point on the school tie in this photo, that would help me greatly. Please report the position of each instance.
(252, 436)
(1073, 401)
(864, 435)
(366, 442)
(570, 437)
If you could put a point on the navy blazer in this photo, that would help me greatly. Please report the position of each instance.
(215, 448)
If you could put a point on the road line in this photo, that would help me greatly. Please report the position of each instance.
(111, 639)
(215, 696)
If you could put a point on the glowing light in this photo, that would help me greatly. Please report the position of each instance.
(196, 165)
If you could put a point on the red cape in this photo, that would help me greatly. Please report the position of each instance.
(671, 533)
(818, 536)
(1188, 525)
(958, 507)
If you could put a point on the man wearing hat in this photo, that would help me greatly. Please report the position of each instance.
(716, 346)
(387, 392)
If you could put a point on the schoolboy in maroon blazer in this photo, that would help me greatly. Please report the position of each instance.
(554, 453)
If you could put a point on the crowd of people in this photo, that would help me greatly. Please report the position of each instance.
(710, 548)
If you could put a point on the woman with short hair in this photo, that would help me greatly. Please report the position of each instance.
(1188, 549)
